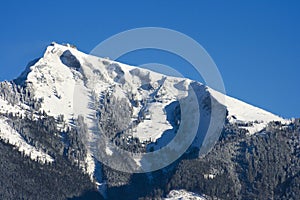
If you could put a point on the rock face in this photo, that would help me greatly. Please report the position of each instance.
(50, 114)
(68, 59)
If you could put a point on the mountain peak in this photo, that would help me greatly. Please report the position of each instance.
(68, 45)
(63, 68)
(55, 49)
(53, 53)
(140, 103)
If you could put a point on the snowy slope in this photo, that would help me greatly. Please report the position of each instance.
(11, 136)
(66, 80)
(5, 107)
(55, 83)
(240, 112)
(18, 109)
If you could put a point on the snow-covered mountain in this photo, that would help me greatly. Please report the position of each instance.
(65, 78)
(63, 69)
(67, 83)
(51, 114)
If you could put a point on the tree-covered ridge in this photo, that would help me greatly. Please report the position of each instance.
(16, 94)
(23, 178)
(264, 165)
(261, 166)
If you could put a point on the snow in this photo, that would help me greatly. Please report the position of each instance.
(68, 91)
(90, 164)
(11, 136)
(19, 110)
(53, 82)
(5, 107)
(241, 112)
(209, 176)
(154, 125)
(183, 195)
(56, 83)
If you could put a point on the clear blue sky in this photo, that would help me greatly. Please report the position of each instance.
(255, 44)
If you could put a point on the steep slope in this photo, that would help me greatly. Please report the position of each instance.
(64, 70)
(11, 136)
(53, 112)
(245, 115)
(69, 83)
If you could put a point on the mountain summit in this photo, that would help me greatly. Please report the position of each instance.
(54, 77)
(64, 79)
(137, 109)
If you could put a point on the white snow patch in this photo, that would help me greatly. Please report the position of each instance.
(209, 176)
(11, 136)
(240, 112)
(90, 164)
(183, 195)
(154, 125)
(108, 151)
(18, 110)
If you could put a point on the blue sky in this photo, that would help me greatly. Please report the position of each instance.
(255, 44)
